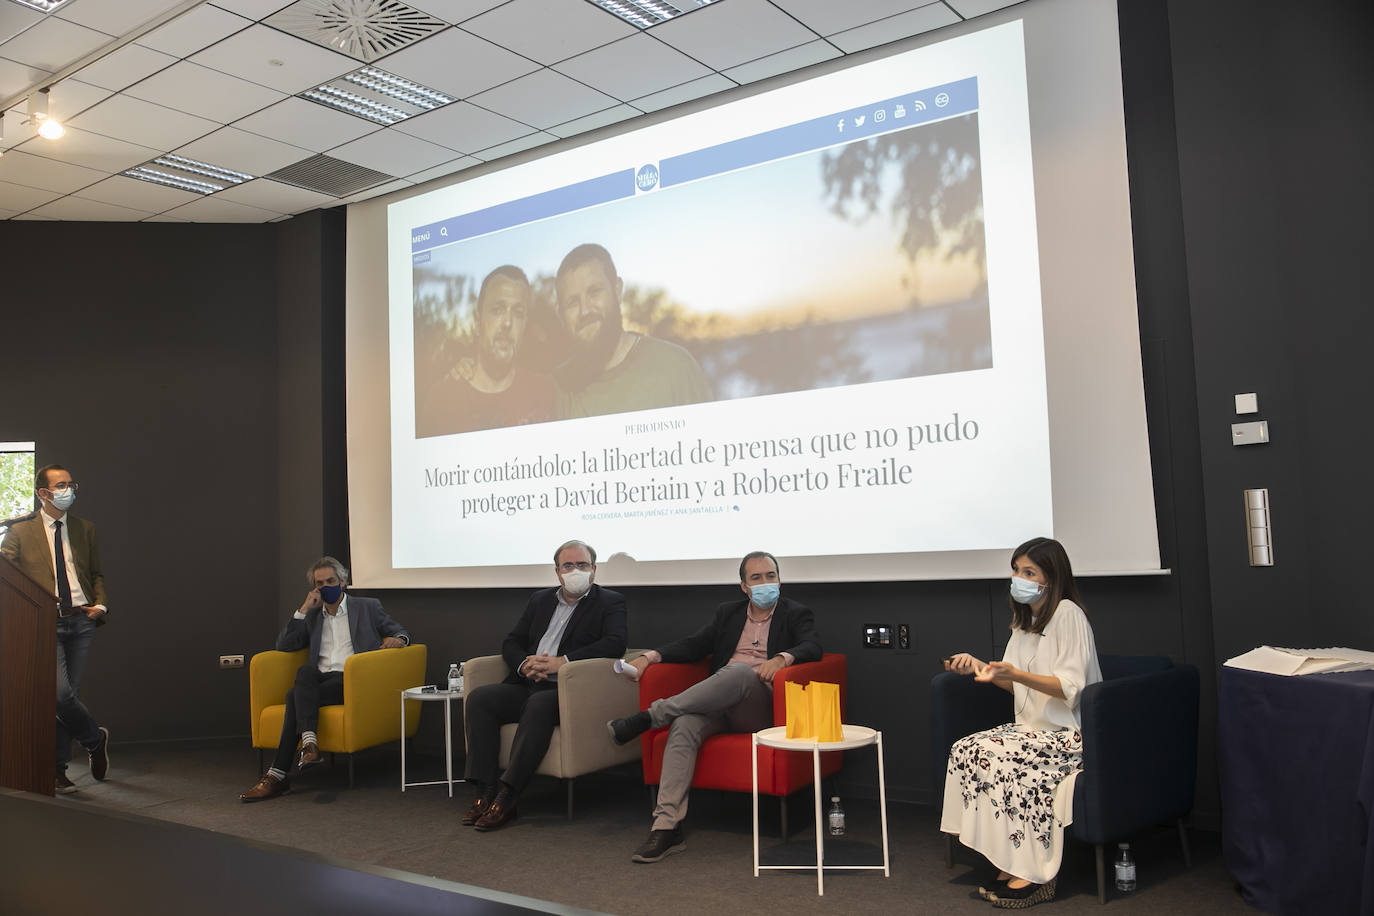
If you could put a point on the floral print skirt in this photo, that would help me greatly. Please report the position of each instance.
(1009, 795)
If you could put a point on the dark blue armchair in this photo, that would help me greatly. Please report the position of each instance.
(1139, 746)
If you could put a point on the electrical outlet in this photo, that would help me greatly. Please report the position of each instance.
(903, 636)
(231, 661)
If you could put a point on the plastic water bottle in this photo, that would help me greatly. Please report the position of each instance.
(455, 677)
(1125, 868)
(835, 819)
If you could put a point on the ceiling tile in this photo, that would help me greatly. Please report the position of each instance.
(53, 43)
(214, 209)
(192, 88)
(93, 151)
(193, 30)
(393, 153)
(8, 214)
(48, 174)
(399, 184)
(125, 67)
(32, 218)
(142, 122)
(431, 63)
(137, 195)
(454, 11)
(15, 19)
(463, 127)
(726, 34)
(783, 62)
(514, 146)
(241, 151)
(300, 64)
(253, 9)
(593, 121)
(15, 77)
(442, 171)
(77, 209)
(306, 125)
(564, 28)
(970, 8)
(267, 194)
(543, 99)
(903, 25)
(633, 67)
(828, 17)
(684, 93)
(115, 18)
(20, 197)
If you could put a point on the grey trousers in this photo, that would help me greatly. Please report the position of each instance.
(733, 699)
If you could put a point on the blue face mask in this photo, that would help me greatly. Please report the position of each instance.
(1024, 591)
(330, 594)
(764, 596)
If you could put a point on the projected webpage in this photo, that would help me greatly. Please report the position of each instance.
(809, 319)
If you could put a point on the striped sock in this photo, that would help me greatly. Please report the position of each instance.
(276, 774)
(308, 738)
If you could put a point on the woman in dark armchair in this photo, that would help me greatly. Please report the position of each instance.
(1009, 790)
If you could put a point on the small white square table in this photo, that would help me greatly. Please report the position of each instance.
(855, 736)
(448, 696)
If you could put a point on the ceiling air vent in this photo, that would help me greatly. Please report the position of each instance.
(330, 176)
(365, 29)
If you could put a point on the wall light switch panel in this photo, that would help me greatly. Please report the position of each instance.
(1247, 403)
(1256, 433)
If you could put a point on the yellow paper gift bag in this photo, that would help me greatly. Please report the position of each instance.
(825, 711)
(798, 712)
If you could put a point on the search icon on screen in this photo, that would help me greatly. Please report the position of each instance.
(443, 230)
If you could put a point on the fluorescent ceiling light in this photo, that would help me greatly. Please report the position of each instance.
(644, 13)
(378, 96)
(43, 6)
(187, 174)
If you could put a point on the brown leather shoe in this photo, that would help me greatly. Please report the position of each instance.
(501, 812)
(266, 788)
(479, 807)
(310, 755)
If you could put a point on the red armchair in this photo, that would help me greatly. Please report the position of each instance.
(724, 760)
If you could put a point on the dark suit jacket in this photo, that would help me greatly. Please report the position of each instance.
(595, 630)
(368, 625)
(793, 630)
(26, 543)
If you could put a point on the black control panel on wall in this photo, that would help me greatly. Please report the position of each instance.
(878, 636)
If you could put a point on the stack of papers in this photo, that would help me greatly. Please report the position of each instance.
(1303, 661)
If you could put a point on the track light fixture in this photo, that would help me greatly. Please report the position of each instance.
(49, 128)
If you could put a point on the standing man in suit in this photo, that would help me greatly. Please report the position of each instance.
(334, 625)
(749, 641)
(577, 620)
(58, 550)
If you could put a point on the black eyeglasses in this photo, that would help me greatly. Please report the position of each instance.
(569, 567)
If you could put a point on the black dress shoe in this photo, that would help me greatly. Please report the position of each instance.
(64, 785)
(659, 844)
(474, 813)
(625, 730)
(100, 755)
(501, 812)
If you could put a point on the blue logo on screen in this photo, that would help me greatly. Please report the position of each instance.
(647, 177)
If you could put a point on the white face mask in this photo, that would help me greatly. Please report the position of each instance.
(63, 499)
(577, 582)
(1024, 591)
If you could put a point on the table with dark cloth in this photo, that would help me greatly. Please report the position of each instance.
(1296, 756)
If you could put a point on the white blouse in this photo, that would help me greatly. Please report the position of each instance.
(1065, 650)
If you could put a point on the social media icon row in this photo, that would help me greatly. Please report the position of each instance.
(898, 111)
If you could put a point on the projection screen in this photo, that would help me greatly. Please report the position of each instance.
(878, 316)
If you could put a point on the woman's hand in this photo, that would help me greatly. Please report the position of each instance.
(1000, 673)
(963, 663)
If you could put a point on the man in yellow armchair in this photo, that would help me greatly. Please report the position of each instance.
(334, 625)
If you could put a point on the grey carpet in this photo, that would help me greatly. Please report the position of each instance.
(586, 862)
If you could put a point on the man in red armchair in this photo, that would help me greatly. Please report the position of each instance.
(749, 641)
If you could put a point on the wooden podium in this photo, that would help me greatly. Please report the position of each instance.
(28, 682)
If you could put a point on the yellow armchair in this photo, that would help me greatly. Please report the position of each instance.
(370, 713)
